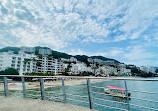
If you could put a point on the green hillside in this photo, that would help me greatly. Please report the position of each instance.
(56, 54)
(6, 49)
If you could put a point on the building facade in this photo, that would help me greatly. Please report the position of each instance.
(28, 49)
(45, 51)
(9, 59)
(49, 65)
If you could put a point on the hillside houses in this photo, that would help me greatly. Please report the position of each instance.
(45, 63)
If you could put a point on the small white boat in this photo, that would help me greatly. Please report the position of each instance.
(116, 91)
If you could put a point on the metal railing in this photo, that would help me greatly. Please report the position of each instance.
(64, 95)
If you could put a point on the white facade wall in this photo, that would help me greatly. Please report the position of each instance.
(107, 70)
(78, 67)
(45, 51)
(148, 69)
(9, 59)
(97, 60)
(125, 71)
(72, 59)
(28, 49)
(108, 62)
(49, 65)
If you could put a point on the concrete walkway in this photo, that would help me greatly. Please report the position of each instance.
(19, 104)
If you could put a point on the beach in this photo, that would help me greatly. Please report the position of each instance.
(17, 85)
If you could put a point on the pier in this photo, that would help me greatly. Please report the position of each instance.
(19, 104)
(92, 97)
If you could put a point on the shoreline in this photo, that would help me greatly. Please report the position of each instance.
(47, 84)
(14, 85)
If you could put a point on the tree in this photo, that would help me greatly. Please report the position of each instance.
(9, 71)
(65, 73)
(156, 71)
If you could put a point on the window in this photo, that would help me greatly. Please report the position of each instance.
(13, 58)
(13, 61)
(12, 65)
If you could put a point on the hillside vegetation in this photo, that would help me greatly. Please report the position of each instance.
(56, 54)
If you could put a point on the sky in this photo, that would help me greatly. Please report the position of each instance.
(125, 30)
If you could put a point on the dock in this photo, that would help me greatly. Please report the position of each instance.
(20, 104)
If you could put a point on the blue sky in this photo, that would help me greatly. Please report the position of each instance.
(126, 30)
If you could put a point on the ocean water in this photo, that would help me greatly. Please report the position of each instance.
(151, 86)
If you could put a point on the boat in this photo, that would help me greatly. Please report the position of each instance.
(116, 91)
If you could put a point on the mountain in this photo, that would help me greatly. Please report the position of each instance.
(155, 67)
(6, 49)
(103, 58)
(56, 54)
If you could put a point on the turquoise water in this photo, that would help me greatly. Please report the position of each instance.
(150, 86)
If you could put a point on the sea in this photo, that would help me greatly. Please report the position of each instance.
(106, 101)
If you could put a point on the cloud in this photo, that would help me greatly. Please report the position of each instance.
(138, 53)
(77, 52)
(58, 23)
(134, 54)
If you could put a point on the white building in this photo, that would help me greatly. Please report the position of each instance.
(107, 70)
(49, 65)
(109, 62)
(122, 65)
(94, 60)
(72, 59)
(124, 71)
(148, 69)
(97, 60)
(27, 49)
(45, 51)
(79, 67)
(9, 59)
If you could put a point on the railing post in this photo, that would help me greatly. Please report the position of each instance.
(89, 93)
(42, 89)
(23, 87)
(6, 92)
(126, 94)
(64, 92)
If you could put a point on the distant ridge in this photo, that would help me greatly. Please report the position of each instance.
(56, 54)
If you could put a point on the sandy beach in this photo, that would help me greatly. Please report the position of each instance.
(33, 85)
(14, 85)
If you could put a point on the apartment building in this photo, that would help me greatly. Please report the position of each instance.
(79, 67)
(148, 69)
(9, 59)
(45, 51)
(27, 49)
(125, 71)
(47, 64)
(106, 70)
